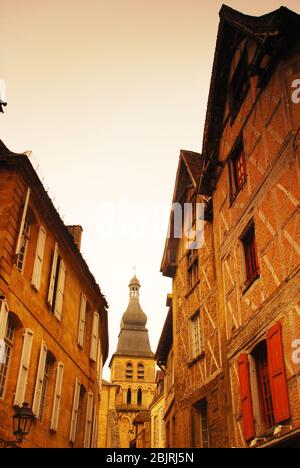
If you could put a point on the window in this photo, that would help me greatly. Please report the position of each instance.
(8, 340)
(20, 262)
(271, 399)
(204, 432)
(129, 371)
(129, 397)
(264, 384)
(237, 169)
(239, 86)
(140, 371)
(250, 255)
(45, 386)
(139, 397)
(192, 268)
(195, 335)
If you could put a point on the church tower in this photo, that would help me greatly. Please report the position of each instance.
(132, 366)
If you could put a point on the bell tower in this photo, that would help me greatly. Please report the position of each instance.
(132, 365)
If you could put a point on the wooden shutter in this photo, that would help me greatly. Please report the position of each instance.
(3, 318)
(246, 399)
(75, 408)
(21, 229)
(88, 420)
(94, 443)
(38, 261)
(277, 374)
(99, 366)
(60, 291)
(24, 368)
(57, 396)
(53, 276)
(3, 326)
(81, 325)
(39, 380)
(94, 337)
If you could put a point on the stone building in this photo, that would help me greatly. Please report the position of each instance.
(238, 295)
(132, 367)
(158, 431)
(53, 317)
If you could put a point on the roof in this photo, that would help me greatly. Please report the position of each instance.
(133, 337)
(273, 32)
(142, 418)
(21, 162)
(165, 341)
(189, 169)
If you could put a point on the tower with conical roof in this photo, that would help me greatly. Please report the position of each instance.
(132, 366)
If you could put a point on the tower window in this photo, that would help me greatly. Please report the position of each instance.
(129, 397)
(140, 371)
(239, 86)
(139, 397)
(129, 371)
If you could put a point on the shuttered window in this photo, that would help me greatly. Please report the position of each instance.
(277, 374)
(38, 261)
(75, 409)
(81, 324)
(22, 225)
(24, 368)
(94, 337)
(39, 380)
(246, 399)
(88, 420)
(57, 397)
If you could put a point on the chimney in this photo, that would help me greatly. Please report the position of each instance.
(76, 232)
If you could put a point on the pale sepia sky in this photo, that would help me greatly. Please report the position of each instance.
(106, 93)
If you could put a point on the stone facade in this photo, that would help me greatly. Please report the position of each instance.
(53, 316)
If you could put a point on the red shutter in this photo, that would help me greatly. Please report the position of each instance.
(246, 399)
(277, 374)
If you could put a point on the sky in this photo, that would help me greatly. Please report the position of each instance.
(105, 93)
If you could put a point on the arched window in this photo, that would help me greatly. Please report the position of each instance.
(9, 342)
(129, 396)
(139, 397)
(140, 371)
(129, 370)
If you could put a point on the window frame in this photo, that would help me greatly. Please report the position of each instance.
(196, 336)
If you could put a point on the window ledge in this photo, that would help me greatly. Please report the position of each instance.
(192, 362)
(192, 289)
